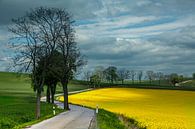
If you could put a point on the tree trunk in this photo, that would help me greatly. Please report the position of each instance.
(53, 89)
(88, 83)
(65, 90)
(38, 105)
(48, 94)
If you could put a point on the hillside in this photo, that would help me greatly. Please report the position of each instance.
(17, 100)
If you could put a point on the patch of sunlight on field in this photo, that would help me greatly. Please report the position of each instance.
(156, 109)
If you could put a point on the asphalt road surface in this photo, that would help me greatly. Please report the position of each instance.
(77, 118)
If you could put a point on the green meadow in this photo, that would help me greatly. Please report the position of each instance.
(17, 101)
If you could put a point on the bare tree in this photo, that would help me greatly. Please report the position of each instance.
(87, 75)
(123, 74)
(37, 35)
(71, 57)
(139, 76)
(159, 76)
(167, 78)
(132, 75)
(150, 75)
(99, 70)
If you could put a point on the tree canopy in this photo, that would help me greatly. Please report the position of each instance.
(39, 35)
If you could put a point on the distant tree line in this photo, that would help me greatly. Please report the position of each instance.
(113, 75)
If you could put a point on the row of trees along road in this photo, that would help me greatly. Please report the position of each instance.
(111, 74)
(45, 42)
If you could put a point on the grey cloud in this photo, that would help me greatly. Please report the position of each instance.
(109, 56)
(81, 9)
(167, 52)
(86, 9)
(164, 7)
(5, 51)
(183, 38)
(158, 56)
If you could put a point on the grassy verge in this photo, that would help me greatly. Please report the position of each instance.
(18, 108)
(130, 123)
(109, 120)
(34, 121)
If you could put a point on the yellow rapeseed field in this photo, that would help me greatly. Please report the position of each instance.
(156, 109)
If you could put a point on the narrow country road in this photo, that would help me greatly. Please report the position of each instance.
(77, 118)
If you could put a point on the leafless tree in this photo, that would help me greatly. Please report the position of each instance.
(99, 70)
(139, 76)
(150, 75)
(67, 46)
(132, 75)
(167, 78)
(123, 74)
(159, 76)
(37, 35)
(87, 75)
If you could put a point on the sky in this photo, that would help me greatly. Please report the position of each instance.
(156, 35)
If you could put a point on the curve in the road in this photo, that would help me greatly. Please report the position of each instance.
(77, 118)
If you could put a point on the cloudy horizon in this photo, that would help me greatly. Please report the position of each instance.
(136, 35)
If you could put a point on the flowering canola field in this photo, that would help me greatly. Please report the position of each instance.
(155, 109)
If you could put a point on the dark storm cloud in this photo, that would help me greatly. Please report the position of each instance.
(86, 9)
(15, 8)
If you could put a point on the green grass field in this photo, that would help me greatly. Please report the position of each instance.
(108, 120)
(17, 100)
(155, 109)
